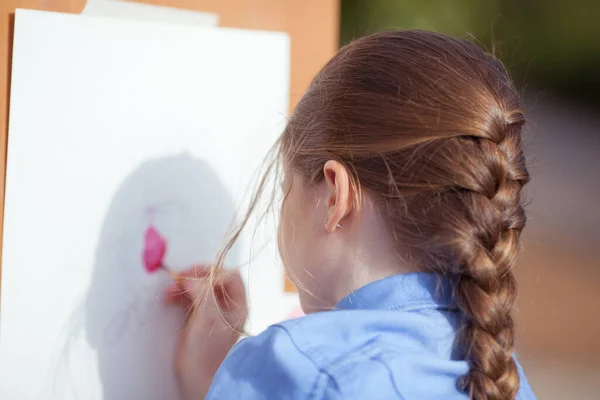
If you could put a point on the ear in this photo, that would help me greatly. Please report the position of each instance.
(339, 204)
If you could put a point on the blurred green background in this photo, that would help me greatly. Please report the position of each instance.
(549, 45)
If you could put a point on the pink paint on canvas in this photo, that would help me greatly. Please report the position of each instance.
(155, 247)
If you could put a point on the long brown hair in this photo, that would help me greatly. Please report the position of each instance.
(430, 127)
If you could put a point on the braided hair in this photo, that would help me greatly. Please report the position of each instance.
(430, 126)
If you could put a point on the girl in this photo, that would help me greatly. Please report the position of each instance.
(402, 215)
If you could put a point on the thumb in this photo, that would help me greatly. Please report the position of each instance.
(193, 293)
(201, 294)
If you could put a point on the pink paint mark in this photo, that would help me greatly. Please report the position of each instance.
(155, 247)
(297, 312)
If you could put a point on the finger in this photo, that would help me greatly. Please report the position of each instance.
(230, 288)
(229, 280)
(194, 299)
(174, 290)
(173, 294)
(184, 289)
(196, 271)
(181, 301)
(200, 294)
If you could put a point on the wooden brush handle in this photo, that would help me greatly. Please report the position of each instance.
(173, 274)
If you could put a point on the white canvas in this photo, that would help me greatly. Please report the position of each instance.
(115, 125)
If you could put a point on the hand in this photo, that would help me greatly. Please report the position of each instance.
(215, 318)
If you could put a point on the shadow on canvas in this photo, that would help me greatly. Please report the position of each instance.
(132, 332)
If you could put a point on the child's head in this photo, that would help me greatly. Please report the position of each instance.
(407, 145)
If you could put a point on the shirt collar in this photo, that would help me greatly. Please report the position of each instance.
(411, 291)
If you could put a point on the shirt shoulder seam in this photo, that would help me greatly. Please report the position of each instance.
(319, 385)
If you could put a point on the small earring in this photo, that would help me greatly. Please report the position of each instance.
(337, 226)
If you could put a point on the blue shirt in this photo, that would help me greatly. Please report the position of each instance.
(391, 339)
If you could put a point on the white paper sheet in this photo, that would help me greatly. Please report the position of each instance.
(115, 125)
(147, 12)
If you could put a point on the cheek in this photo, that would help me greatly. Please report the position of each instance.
(288, 231)
(296, 231)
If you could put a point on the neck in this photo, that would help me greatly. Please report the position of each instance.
(364, 253)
